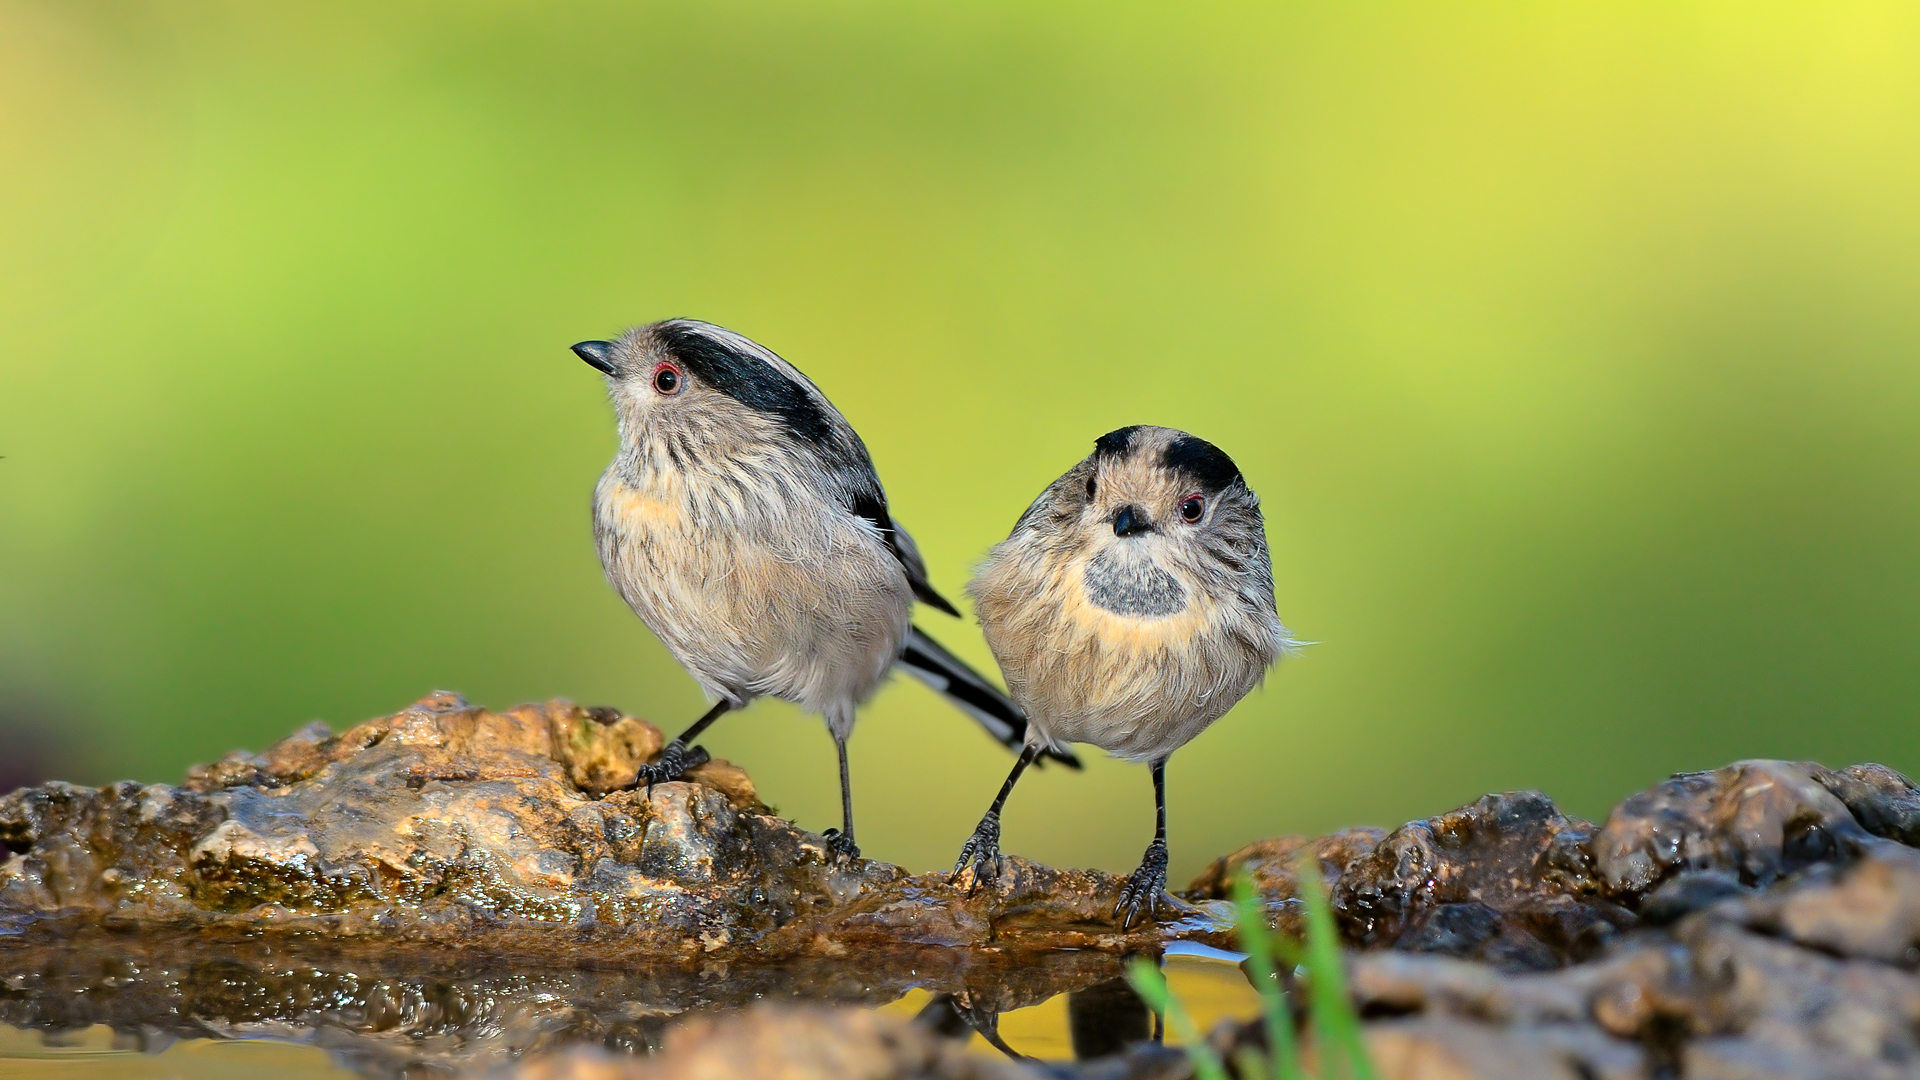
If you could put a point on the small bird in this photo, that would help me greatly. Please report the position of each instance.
(742, 520)
(1131, 607)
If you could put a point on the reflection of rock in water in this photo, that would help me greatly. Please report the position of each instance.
(790, 1042)
(394, 1013)
(1106, 1018)
(1103, 1019)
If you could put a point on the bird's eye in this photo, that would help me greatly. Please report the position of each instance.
(1192, 508)
(1090, 487)
(666, 379)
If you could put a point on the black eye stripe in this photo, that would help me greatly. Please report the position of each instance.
(747, 379)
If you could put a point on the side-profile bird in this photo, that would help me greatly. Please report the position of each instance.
(742, 520)
(1131, 607)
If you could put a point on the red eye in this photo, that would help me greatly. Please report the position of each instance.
(1192, 508)
(666, 379)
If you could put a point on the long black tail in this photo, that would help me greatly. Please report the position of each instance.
(929, 661)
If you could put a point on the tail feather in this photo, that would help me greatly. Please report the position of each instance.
(929, 661)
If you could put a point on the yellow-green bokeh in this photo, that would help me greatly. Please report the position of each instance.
(1574, 350)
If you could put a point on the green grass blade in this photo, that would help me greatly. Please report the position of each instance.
(1335, 1023)
(1152, 988)
(1250, 918)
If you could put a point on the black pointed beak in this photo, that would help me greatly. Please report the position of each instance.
(597, 353)
(1131, 521)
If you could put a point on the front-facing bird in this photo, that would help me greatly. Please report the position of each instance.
(742, 520)
(1131, 607)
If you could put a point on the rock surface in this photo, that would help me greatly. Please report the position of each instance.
(486, 884)
(508, 832)
(1760, 921)
(1724, 992)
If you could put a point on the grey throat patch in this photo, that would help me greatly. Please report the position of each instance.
(1129, 588)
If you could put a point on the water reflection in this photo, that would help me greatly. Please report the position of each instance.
(1106, 1018)
(1102, 1019)
(98, 1053)
(397, 1015)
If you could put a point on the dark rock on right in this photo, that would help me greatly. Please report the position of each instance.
(1756, 820)
(1883, 801)
(1730, 991)
(1511, 880)
(1766, 926)
(1688, 891)
(1507, 879)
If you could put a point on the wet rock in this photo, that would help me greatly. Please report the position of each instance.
(1507, 879)
(1883, 801)
(1272, 866)
(1756, 820)
(444, 822)
(1028, 907)
(510, 832)
(1687, 892)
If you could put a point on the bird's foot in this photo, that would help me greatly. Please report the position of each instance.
(675, 762)
(1144, 886)
(841, 845)
(982, 851)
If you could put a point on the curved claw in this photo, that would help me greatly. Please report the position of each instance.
(841, 845)
(1143, 887)
(676, 761)
(982, 850)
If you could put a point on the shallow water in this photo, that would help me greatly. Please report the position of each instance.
(123, 1008)
(97, 1052)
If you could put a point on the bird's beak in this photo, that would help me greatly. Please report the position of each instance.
(1131, 521)
(597, 353)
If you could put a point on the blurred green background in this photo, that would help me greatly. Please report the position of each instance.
(1571, 348)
